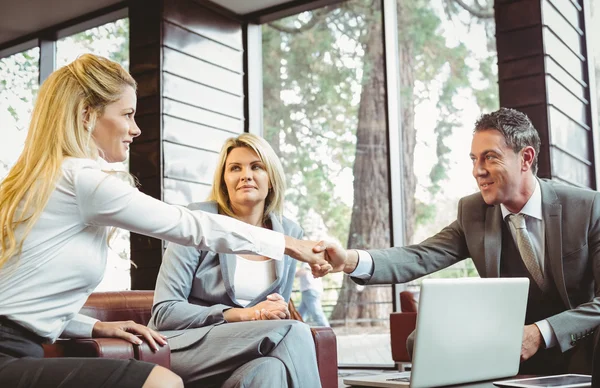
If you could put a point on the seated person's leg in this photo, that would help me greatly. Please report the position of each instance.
(83, 372)
(410, 344)
(260, 372)
(225, 348)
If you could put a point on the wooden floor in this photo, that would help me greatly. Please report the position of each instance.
(342, 373)
(364, 349)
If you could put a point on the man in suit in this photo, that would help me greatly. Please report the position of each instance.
(516, 225)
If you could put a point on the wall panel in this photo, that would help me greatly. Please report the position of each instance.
(189, 164)
(193, 134)
(189, 66)
(543, 71)
(182, 193)
(199, 19)
(202, 116)
(202, 96)
(178, 38)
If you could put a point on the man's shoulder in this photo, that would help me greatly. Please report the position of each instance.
(473, 200)
(472, 208)
(566, 192)
(207, 206)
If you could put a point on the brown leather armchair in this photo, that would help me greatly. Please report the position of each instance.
(136, 306)
(401, 325)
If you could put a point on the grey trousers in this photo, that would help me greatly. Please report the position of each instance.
(250, 354)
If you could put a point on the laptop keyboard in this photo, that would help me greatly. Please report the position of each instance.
(404, 379)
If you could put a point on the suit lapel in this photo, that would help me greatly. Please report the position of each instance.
(493, 241)
(279, 264)
(228, 263)
(552, 213)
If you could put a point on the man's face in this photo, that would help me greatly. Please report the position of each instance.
(499, 171)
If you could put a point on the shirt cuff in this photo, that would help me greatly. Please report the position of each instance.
(550, 339)
(80, 326)
(272, 244)
(364, 268)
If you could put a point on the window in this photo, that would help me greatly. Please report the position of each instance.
(110, 40)
(324, 113)
(448, 79)
(19, 74)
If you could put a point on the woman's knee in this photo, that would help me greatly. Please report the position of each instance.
(299, 331)
(161, 377)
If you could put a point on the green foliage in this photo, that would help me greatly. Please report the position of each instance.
(312, 83)
(425, 212)
(110, 40)
(310, 111)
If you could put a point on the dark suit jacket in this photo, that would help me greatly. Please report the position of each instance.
(572, 233)
(195, 287)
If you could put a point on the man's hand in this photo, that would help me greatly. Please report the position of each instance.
(319, 271)
(339, 258)
(302, 250)
(532, 341)
(127, 330)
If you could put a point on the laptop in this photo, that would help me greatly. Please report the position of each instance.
(468, 329)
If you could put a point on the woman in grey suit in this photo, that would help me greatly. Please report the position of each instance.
(225, 315)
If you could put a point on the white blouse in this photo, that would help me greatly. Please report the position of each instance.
(251, 278)
(64, 255)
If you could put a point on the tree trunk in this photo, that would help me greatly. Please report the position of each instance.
(407, 116)
(370, 223)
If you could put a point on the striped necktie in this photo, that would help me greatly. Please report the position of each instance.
(525, 246)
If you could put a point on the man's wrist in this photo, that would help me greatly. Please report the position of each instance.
(351, 261)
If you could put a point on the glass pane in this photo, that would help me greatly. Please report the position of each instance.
(19, 84)
(324, 114)
(110, 40)
(449, 77)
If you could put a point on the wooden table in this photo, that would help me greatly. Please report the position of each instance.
(479, 384)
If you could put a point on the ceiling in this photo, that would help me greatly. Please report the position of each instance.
(20, 18)
(243, 7)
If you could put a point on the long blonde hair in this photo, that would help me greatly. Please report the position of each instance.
(65, 113)
(274, 200)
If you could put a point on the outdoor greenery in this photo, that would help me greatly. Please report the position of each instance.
(324, 113)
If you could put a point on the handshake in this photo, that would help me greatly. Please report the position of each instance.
(323, 256)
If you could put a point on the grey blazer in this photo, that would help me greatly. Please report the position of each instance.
(195, 287)
(572, 233)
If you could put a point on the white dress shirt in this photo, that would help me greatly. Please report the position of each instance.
(64, 255)
(251, 278)
(535, 226)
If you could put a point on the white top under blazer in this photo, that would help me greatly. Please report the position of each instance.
(64, 256)
(251, 278)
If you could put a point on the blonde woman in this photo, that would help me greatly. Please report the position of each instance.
(226, 315)
(56, 207)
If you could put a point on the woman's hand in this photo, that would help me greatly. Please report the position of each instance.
(275, 307)
(128, 330)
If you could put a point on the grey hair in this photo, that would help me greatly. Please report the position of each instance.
(515, 127)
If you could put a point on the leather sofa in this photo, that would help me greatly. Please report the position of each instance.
(401, 325)
(136, 306)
